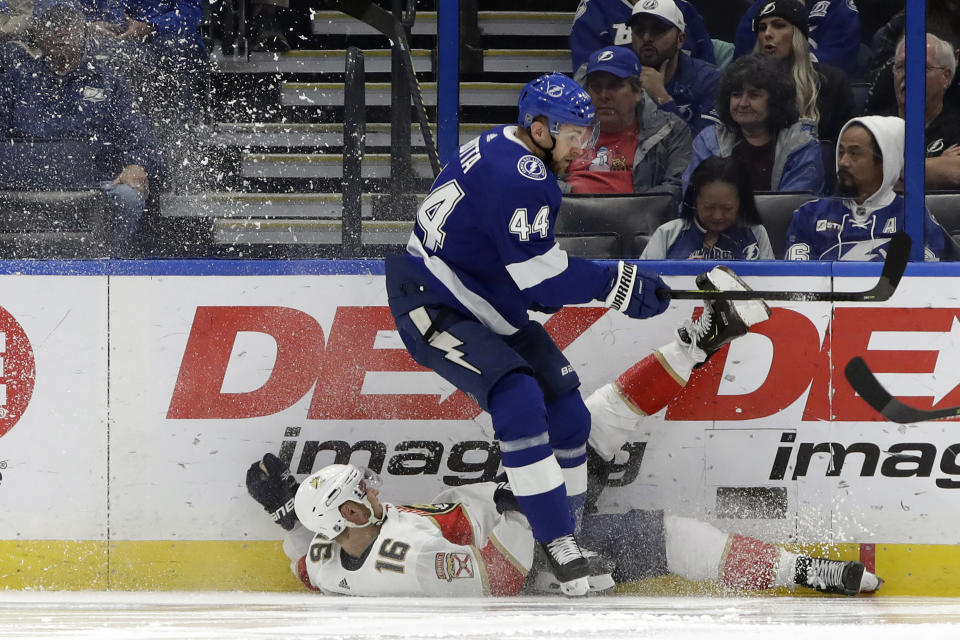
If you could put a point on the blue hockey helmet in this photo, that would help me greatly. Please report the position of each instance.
(559, 99)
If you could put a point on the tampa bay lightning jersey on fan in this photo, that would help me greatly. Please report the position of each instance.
(828, 229)
(484, 236)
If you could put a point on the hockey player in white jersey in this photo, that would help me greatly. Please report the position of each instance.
(482, 253)
(473, 541)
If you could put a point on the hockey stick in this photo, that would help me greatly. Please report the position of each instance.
(898, 253)
(388, 25)
(869, 388)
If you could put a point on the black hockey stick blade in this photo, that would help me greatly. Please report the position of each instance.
(898, 254)
(869, 388)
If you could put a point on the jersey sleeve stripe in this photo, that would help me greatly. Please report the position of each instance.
(532, 272)
(475, 304)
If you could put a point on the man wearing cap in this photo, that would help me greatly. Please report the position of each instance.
(834, 32)
(675, 81)
(601, 23)
(641, 149)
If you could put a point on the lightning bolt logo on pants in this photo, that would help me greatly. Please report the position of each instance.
(442, 340)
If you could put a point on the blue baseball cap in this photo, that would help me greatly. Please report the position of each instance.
(620, 61)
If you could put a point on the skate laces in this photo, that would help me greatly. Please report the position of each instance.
(693, 331)
(565, 549)
(823, 573)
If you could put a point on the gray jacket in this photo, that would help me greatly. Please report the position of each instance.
(663, 152)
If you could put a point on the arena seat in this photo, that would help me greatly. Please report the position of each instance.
(945, 208)
(62, 224)
(610, 225)
(776, 211)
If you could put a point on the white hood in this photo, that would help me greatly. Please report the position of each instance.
(888, 131)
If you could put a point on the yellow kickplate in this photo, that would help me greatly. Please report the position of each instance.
(53, 564)
(202, 565)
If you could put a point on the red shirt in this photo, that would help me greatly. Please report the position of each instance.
(608, 168)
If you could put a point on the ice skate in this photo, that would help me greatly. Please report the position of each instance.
(722, 320)
(542, 579)
(568, 564)
(836, 576)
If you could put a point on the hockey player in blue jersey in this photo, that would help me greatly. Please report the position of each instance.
(481, 254)
(859, 224)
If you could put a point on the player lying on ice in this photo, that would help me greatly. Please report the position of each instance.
(473, 540)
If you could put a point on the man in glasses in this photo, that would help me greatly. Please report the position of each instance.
(942, 139)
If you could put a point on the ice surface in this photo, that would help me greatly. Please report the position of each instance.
(202, 616)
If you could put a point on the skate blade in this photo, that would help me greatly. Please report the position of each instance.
(575, 588)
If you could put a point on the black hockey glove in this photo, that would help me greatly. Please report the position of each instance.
(270, 483)
(503, 497)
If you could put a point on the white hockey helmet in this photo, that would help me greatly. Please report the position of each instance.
(319, 497)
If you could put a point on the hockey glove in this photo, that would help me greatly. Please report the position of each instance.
(270, 483)
(503, 497)
(634, 292)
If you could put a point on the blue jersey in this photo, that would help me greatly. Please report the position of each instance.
(601, 23)
(827, 229)
(681, 239)
(484, 236)
(834, 32)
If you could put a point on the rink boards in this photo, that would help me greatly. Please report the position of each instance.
(134, 396)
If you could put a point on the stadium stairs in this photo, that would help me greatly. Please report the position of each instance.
(271, 184)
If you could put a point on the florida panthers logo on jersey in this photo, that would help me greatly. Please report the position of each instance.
(452, 566)
(532, 167)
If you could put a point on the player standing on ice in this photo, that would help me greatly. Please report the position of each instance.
(481, 254)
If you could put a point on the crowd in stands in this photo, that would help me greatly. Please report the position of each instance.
(771, 111)
(691, 101)
(102, 95)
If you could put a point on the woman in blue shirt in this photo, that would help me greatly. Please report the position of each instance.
(719, 219)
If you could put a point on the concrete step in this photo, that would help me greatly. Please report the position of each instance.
(498, 94)
(218, 204)
(315, 165)
(273, 134)
(299, 231)
(527, 60)
(492, 23)
(313, 61)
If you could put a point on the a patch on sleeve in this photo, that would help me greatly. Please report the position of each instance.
(820, 9)
(532, 167)
(453, 566)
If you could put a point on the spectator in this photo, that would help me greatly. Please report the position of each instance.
(942, 136)
(69, 97)
(834, 32)
(943, 21)
(14, 18)
(640, 148)
(858, 224)
(601, 23)
(719, 219)
(824, 97)
(678, 83)
(757, 106)
(157, 45)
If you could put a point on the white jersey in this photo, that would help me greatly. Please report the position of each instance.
(457, 548)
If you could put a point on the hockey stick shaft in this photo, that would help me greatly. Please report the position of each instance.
(388, 25)
(865, 383)
(898, 253)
